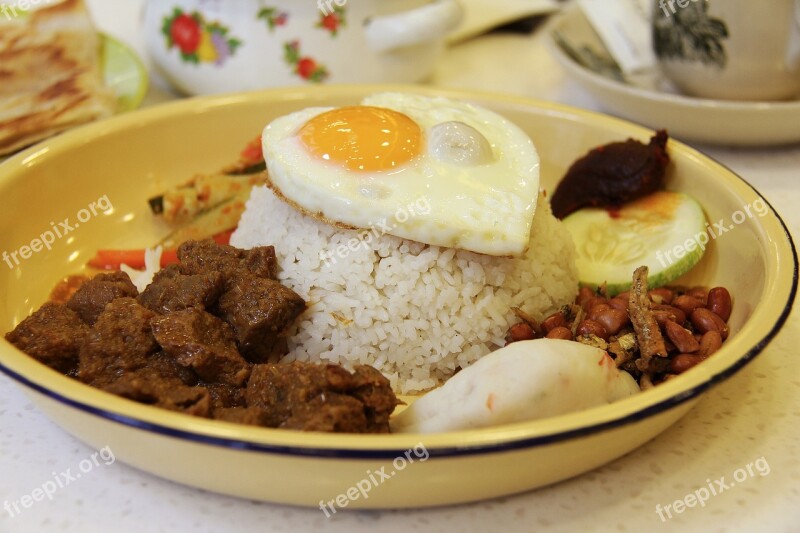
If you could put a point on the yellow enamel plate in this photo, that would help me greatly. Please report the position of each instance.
(133, 156)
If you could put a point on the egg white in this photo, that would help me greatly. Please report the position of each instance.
(486, 208)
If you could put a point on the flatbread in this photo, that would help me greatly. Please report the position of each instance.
(50, 76)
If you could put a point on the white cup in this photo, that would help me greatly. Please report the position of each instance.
(730, 49)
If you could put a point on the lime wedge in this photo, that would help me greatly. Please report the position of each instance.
(665, 231)
(124, 72)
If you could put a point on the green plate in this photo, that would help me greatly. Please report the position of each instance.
(124, 72)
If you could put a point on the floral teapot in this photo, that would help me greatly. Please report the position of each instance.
(214, 46)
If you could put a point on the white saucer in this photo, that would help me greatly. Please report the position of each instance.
(652, 101)
(481, 16)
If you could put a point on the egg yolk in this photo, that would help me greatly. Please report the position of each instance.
(363, 137)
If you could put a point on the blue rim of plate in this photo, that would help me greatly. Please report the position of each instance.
(452, 451)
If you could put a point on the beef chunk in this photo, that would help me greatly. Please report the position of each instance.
(252, 416)
(52, 335)
(199, 257)
(164, 383)
(371, 388)
(189, 341)
(62, 292)
(119, 341)
(161, 364)
(314, 397)
(259, 310)
(172, 291)
(333, 413)
(203, 342)
(223, 396)
(92, 296)
(146, 386)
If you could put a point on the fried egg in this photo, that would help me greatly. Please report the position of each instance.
(433, 170)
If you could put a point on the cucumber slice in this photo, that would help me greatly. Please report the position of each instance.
(665, 231)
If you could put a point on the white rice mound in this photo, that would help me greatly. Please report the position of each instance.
(415, 312)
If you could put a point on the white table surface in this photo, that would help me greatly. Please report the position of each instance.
(754, 414)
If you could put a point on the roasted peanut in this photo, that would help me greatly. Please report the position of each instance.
(681, 337)
(705, 320)
(719, 301)
(693, 323)
(661, 295)
(521, 332)
(662, 317)
(683, 362)
(592, 327)
(701, 293)
(619, 303)
(553, 321)
(710, 343)
(560, 332)
(597, 300)
(680, 316)
(612, 319)
(687, 303)
(584, 295)
(596, 309)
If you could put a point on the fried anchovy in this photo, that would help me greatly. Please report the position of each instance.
(623, 348)
(651, 342)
